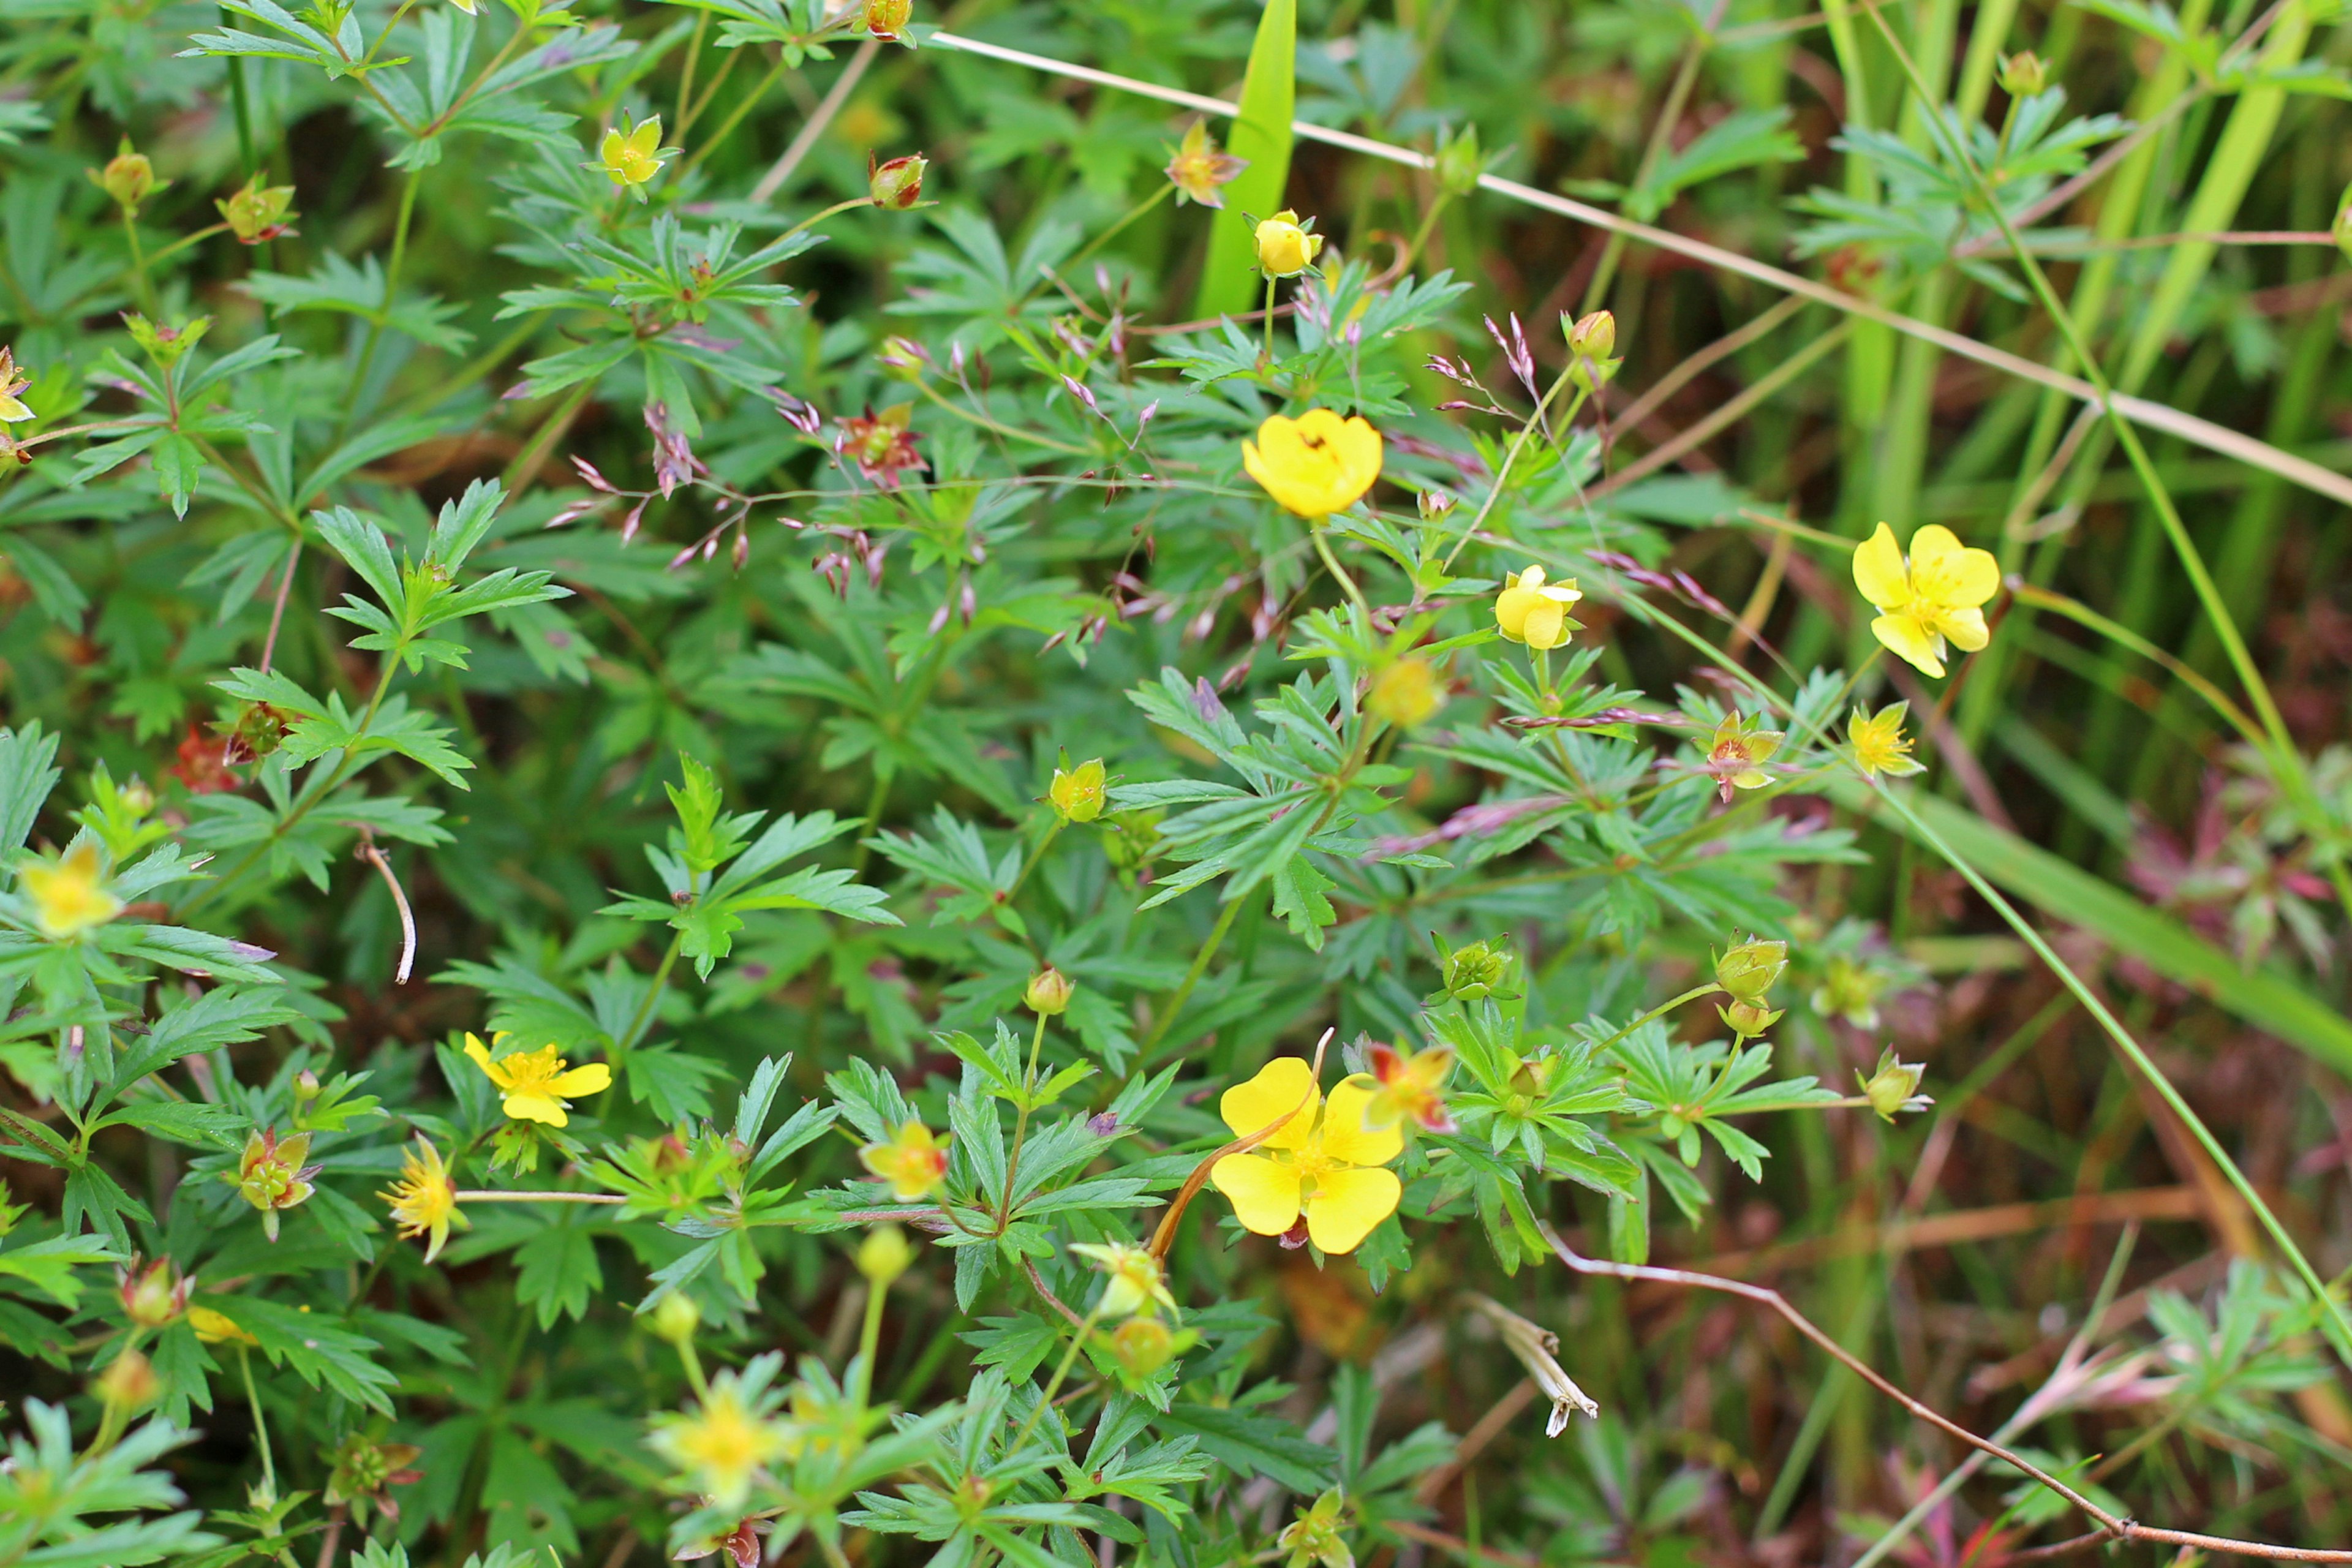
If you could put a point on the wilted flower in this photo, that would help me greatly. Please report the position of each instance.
(727, 1440)
(1197, 168)
(631, 155)
(537, 1086)
(887, 20)
(1737, 755)
(363, 1470)
(1316, 464)
(128, 177)
(13, 382)
(1535, 612)
(69, 894)
(1894, 1086)
(1409, 1086)
(129, 1382)
(1137, 1283)
(1143, 1345)
(897, 182)
(1320, 1533)
(1538, 1348)
(913, 1162)
(272, 1177)
(1849, 990)
(424, 1200)
(740, 1544)
(1935, 594)
(1049, 992)
(1879, 744)
(1286, 248)
(881, 445)
(1405, 694)
(1472, 973)
(258, 212)
(1325, 1161)
(1079, 792)
(216, 1328)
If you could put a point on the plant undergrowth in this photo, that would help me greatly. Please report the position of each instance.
(873, 783)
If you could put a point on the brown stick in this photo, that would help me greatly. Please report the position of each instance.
(2112, 1527)
(1458, 1546)
(1473, 1442)
(374, 857)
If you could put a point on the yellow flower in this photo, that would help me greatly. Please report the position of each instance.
(1411, 1086)
(723, 1444)
(536, 1084)
(1324, 1161)
(631, 158)
(1534, 612)
(1079, 792)
(1935, 596)
(1285, 248)
(1135, 1280)
(1316, 464)
(12, 381)
(214, 1327)
(1405, 694)
(1879, 744)
(1198, 168)
(69, 895)
(913, 1162)
(425, 1200)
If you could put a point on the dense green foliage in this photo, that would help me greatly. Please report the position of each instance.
(733, 822)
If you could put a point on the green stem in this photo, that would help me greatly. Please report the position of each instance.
(1183, 992)
(1053, 1385)
(1331, 565)
(751, 100)
(1503, 474)
(500, 1195)
(260, 1425)
(1113, 232)
(1660, 1011)
(638, 1024)
(1019, 1127)
(1035, 855)
(1006, 430)
(391, 292)
(2340, 1330)
(139, 286)
(1265, 350)
(869, 1337)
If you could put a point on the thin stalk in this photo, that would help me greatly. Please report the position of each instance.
(139, 285)
(751, 100)
(260, 1425)
(1660, 1011)
(1183, 992)
(391, 292)
(1019, 1127)
(505, 1196)
(1511, 456)
(1331, 565)
(638, 1024)
(1052, 1384)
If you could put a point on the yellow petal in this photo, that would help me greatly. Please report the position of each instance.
(593, 1078)
(536, 1107)
(1970, 577)
(1286, 1083)
(1543, 625)
(1347, 1133)
(479, 1055)
(646, 138)
(1931, 544)
(1908, 641)
(1879, 571)
(1347, 1204)
(1964, 627)
(1265, 1194)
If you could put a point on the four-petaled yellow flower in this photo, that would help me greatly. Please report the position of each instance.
(723, 1444)
(1935, 596)
(1879, 744)
(1198, 168)
(1286, 248)
(632, 157)
(424, 1200)
(12, 381)
(913, 1162)
(538, 1085)
(1535, 612)
(1317, 463)
(1324, 1161)
(69, 894)
(1137, 1283)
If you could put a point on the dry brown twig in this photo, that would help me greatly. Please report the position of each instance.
(2111, 1526)
(374, 857)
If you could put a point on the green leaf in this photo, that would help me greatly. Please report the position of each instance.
(1260, 134)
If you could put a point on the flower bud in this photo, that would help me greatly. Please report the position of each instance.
(1460, 163)
(904, 358)
(128, 177)
(1894, 1087)
(1286, 248)
(898, 182)
(259, 212)
(1476, 972)
(2343, 225)
(138, 797)
(2023, 74)
(884, 1255)
(163, 344)
(305, 1087)
(1142, 1345)
(129, 1383)
(1592, 337)
(153, 1297)
(1049, 993)
(887, 20)
(675, 1317)
(1749, 971)
(1435, 504)
(1405, 694)
(1078, 793)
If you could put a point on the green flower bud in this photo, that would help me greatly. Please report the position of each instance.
(884, 1255)
(1747, 1020)
(1894, 1087)
(898, 182)
(675, 1317)
(1460, 163)
(129, 1384)
(1049, 993)
(128, 177)
(1473, 973)
(1749, 970)
(1142, 1345)
(2023, 74)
